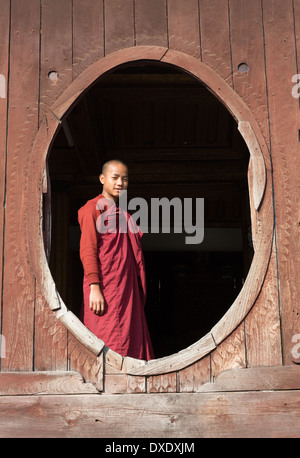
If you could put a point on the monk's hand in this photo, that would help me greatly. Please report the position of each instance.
(96, 299)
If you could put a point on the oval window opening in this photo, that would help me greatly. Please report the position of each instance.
(178, 141)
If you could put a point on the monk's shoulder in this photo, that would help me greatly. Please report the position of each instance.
(90, 207)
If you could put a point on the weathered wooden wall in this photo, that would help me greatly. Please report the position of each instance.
(68, 36)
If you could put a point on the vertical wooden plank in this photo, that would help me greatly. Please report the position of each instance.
(88, 34)
(247, 47)
(151, 23)
(193, 377)
(281, 65)
(229, 354)
(4, 59)
(183, 26)
(262, 325)
(56, 50)
(19, 285)
(56, 55)
(215, 43)
(85, 362)
(216, 53)
(296, 6)
(119, 25)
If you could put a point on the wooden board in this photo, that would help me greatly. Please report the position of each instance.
(215, 33)
(56, 50)
(193, 377)
(262, 325)
(185, 415)
(18, 287)
(284, 128)
(56, 55)
(263, 345)
(150, 23)
(183, 26)
(119, 25)
(43, 383)
(260, 378)
(4, 63)
(88, 35)
(246, 28)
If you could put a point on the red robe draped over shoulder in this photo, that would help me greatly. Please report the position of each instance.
(111, 255)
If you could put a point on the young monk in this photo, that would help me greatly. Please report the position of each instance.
(114, 284)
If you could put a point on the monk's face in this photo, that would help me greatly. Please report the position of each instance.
(114, 180)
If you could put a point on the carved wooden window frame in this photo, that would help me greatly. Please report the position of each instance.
(260, 203)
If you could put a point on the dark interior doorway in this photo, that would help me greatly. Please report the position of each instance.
(178, 141)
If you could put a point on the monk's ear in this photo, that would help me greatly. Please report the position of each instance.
(101, 178)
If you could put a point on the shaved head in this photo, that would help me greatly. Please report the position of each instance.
(114, 178)
(107, 164)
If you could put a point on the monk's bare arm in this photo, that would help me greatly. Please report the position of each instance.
(96, 299)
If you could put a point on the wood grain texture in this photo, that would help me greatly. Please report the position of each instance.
(296, 11)
(262, 325)
(247, 46)
(259, 176)
(183, 26)
(193, 377)
(151, 23)
(55, 55)
(56, 50)
(185, 415)
(119, 25)
(259, 378)
(19, 283)
(4, 65)
(88, 76)
(88, 34)
(284, 128)
(230, 354)
(176, 361)
(51, 337)
(166, 383)
(215, 33)
(84, 361)
(43, 383)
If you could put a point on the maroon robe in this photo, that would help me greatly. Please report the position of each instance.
(115, 260)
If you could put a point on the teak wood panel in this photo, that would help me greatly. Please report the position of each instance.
(4, 64)
(247, 46)
(88, 34)
(215, 37)
(281, 65)
(262, 414)
(150, 23)
(18, 282)
(222, 44)
(119, 25)
(56, 56)
(183, 26)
